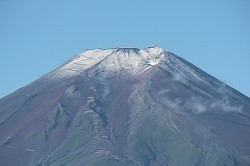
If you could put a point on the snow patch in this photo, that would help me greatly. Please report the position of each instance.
(153, 50)
(81, 62)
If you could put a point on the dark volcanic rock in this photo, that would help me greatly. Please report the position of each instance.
(125, 106)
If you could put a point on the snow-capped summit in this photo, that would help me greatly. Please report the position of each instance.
(131, 59)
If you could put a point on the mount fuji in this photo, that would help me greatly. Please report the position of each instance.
(125, 106)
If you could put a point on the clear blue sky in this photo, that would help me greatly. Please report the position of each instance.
(36, 36)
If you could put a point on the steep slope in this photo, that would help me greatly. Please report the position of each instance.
(125, 106)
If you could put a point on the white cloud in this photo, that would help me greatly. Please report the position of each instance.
(195, 105)
(180, 77)
(227, 106)
(199, 108)
(173, 104)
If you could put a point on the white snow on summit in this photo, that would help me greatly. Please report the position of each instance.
(132, 60)
(81, 62)
(152, 50)
(106, 62)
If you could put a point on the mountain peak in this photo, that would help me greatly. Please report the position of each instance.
(133, 60)
(154, 49)
(125, 106)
